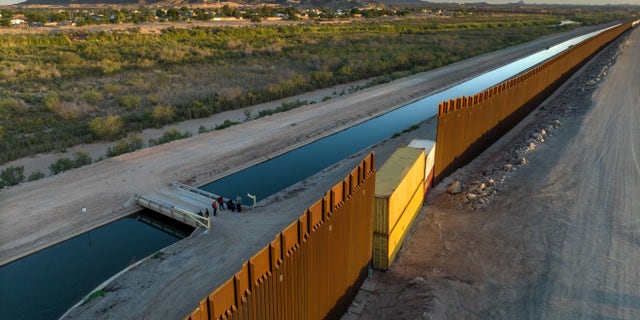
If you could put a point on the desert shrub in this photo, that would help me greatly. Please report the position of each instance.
(130, 144)
(106, 127)
(226, 124)
(52, 101)
(12, 175)
(153, 99)
(67, 58)
(107, 66)
(91, 96)
(265, 112)
(81, 158)
(36, 175)
(247, 114)
(130, 101)
(61, 165)
(169, 135)
(73, 109)
(162, 114)
(7, 104)
(112, 89)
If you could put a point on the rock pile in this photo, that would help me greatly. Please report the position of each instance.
(478, 191)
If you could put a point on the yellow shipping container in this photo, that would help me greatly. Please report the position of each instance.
(386, 247)
(430, 151)
(396, 182)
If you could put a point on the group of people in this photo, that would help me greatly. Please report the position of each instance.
(229, 204)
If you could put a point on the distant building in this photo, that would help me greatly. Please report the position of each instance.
(19, 20)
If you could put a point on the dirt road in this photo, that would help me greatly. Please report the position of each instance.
(597, 271)
(560, 240)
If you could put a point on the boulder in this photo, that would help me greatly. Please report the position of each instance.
(455, 187)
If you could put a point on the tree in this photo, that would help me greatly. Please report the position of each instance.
(173, 14)
(226, 11)
(12, 175)
(34, 16)
(5, 21)
(292, 13)
(59, 16)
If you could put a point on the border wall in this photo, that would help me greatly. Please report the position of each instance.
(469, 125)
(313, 268)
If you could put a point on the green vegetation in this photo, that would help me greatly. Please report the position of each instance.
(170, 135)
(11, 176)
(131, 143)
(36, 175)
(80, 159)
(286, 106)
(93, 295)
(60, 90)
(226, 124)
(409, 129)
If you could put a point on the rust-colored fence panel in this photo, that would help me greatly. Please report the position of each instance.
(313, 268)
(468, 125)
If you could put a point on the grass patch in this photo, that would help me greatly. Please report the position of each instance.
(93, 295)
(409, 129)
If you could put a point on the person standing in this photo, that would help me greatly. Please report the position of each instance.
(215, 208)
(221, 203)
(239, 203)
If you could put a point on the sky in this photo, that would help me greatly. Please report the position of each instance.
(595, 2)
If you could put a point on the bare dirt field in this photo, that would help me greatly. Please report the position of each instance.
(547, 224)
(35, 215)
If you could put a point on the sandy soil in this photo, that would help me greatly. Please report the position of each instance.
(556, 235)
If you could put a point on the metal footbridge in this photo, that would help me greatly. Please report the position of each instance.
(183, 203)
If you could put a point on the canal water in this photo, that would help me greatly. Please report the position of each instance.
(44, 285)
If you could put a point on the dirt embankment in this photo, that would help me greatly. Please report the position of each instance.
(544, 225)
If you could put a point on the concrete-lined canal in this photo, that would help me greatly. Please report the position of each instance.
(45, 284)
